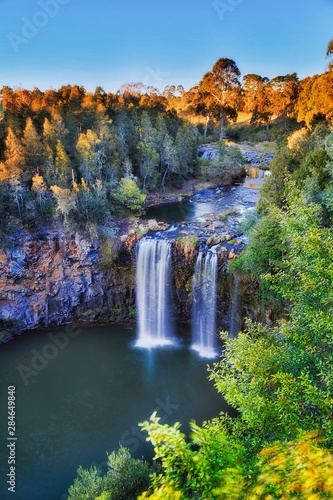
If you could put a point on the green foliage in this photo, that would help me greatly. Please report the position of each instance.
(128, 195)
(132, 311)
(91, 202)
(126, 478)
(110, 250)
(88, 485)
(187, 243)
(104, 496)
(165, 492)
(301, 469)
(227, 165)
(195, 468)
(265, 249)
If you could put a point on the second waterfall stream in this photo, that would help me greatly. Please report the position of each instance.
(204, 304)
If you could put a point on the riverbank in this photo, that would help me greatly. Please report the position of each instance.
(258, 155)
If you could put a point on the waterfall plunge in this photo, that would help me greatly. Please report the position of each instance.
(204, 304)
(153, 272)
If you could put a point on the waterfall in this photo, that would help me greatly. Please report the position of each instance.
(204, 304)
(153, 272)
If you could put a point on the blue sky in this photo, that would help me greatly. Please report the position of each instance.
(109, 43)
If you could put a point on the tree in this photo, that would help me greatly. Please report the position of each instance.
(223, 84)
(169, 160)
(201, 102)
(34, 150)
(147, 132)
(186, 148)
(256, 98)
(40, 188)
(17, 192)
(315, 99)
(49, 135)
(65, 201)
(86, 148)
(128, 195)
(14, 154)
(283, 93)
(148, 159)
(59, 126)
(62, 165)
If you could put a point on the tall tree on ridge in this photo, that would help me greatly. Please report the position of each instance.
(283, 91)
(256, 98)
(223, 84)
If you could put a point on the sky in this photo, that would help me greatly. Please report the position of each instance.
(49, 43)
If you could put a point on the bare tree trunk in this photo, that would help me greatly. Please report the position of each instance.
(222, 127)
(164, 176)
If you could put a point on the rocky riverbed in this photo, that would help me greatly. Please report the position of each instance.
(254, 156)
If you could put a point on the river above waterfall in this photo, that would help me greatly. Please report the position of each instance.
(229, 203)
(90, 396)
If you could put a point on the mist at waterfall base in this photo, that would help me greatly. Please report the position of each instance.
(153, 281)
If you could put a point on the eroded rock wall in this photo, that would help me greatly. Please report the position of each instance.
(52, 278)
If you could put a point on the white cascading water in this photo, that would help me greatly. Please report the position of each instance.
(204, 304)
(153, 274)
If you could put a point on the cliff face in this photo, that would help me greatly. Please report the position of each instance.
(52, 278)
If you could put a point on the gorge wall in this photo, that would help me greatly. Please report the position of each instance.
(53, 277)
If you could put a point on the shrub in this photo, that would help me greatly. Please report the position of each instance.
(265, 249)
(227, 165)
(188, 243)
(110, 250)
(128, 195)
(126, 479)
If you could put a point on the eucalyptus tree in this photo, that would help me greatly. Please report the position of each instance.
(257, 98)
(223, 84)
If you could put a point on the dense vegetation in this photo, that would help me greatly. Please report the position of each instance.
(93, 152)
(87, 156)
(279, 378)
